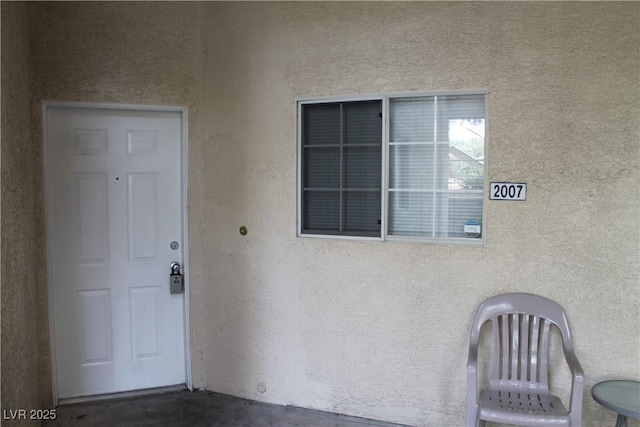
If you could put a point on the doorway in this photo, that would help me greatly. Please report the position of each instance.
(115, 187)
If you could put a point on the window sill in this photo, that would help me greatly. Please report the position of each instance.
(400, 239)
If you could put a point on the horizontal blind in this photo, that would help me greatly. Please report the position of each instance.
(436, 165)
(341, 168)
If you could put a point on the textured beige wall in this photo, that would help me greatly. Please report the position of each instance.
(379, 329)
(21, 241)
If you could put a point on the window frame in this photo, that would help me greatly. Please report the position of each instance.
(385, 101)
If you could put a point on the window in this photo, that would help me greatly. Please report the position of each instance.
(392, 167)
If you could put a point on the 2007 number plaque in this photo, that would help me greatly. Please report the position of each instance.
(508, 191)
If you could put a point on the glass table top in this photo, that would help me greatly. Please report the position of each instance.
(621, 396)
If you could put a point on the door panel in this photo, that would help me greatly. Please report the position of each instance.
(92, 218)
(142, 216)
(114, 205)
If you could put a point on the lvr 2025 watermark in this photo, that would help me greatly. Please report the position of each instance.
(29, 414)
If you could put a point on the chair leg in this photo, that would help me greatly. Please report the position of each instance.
(621, 421)
(473, 417)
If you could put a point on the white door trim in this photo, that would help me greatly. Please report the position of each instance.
(184, 187)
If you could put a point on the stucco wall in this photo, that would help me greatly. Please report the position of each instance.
(380, 329)
(20, 226)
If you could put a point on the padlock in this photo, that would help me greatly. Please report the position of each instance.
(176, 280)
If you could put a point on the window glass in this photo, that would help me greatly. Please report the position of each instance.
(411, 119)
(435, 184)
(434, 167)
(342, 168)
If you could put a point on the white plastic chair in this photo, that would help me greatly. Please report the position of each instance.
(518, 390)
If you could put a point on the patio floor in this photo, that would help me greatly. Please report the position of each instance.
(192, 409)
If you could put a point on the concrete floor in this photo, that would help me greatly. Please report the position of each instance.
(193, 409)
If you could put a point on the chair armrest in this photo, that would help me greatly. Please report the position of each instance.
(577, 381)
(573, 363)
(472, 373)
(472, 385)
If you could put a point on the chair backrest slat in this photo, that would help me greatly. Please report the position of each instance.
(524, 349)
(497, 344)
(533, 355)
(542, 358)
(504, 348)
(515, 334)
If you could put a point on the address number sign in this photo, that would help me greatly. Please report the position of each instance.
(508, 191)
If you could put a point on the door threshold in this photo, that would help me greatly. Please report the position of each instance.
(121, 395)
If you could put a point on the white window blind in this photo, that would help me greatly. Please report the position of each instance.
(434, 167)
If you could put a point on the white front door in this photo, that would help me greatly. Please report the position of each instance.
(114, 207)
